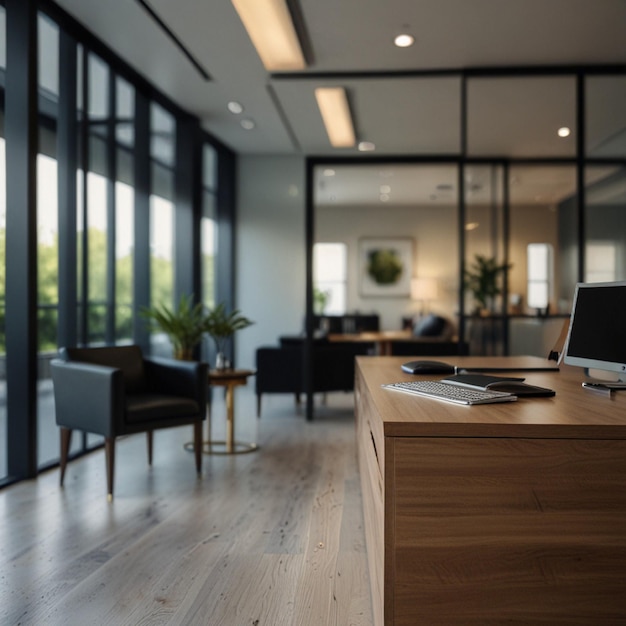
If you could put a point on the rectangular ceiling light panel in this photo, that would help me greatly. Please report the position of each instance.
(272, 32)
(333, 105)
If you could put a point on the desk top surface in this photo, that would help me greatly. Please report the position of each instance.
(573, 412)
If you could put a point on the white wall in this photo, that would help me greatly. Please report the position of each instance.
(270, 257)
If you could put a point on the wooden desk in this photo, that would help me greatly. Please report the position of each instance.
(503, 513)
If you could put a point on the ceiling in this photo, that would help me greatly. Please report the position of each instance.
(405, 101)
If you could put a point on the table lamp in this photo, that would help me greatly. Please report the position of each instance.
(424, 290)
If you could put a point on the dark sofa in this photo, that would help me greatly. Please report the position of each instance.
(280, 369)
(433, 335)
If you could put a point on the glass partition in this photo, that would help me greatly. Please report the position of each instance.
(484, 250)
(605, 107)
(605, 221)
(542, 200)
(410, 209)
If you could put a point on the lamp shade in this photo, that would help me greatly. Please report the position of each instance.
(424, 289)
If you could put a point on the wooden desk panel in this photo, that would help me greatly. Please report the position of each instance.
(495, 527)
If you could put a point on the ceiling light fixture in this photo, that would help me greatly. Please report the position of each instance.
(385, 189)
(248, 124)
(333, 105)
(564, 131)
(235, 107)
(272, 32)
(404, 40)
(366, 146)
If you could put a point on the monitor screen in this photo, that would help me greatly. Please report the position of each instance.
(597, 332)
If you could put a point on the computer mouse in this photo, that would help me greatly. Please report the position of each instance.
(428, 367)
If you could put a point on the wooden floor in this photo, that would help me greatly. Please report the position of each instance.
(267, 538)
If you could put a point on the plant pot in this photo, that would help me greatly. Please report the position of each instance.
(221, 362)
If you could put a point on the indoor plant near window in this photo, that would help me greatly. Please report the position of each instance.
(221, 326)
(320, 300)
(483, 280)
(184, 325)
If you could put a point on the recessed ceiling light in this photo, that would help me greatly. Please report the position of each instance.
(234, 107)
(366, 146)
(385, 189)
(384, 197)
(471, 226)
(248, 124)
(404, 40)
(564, 131)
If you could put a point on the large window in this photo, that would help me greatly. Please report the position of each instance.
(330, 276)
(540, 275)
(105, 239)
(208, 233)
(162, 151)
(47, 237)
(3, 224)
(3, 230)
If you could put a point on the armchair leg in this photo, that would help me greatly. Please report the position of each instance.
(109, 450)
(66, 439)
(149, 440)
(258, 405)
(197, 445)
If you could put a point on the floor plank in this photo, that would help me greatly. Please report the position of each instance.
(267, 538)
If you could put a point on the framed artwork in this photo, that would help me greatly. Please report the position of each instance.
(385, 266)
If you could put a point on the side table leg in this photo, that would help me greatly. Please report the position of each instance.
(230, 419)
(208, 425)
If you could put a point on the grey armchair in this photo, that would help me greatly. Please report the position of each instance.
(115, 391)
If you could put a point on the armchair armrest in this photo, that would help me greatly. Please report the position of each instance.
(88, 397)
(188, 379)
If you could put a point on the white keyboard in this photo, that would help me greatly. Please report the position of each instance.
(450, 393)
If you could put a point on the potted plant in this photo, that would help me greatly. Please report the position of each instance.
(221, 326)
(184, 325)
(320, 300)
(483, 280)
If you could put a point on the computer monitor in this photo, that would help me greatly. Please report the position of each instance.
(597, 331)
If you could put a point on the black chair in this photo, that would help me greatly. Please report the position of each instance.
(281, 369)
(115, 391)
(278, 370)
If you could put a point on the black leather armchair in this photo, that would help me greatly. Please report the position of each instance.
(115, 391)
(281, 369)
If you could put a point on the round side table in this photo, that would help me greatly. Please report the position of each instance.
(229, 379)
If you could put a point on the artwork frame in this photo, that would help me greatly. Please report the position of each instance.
(389, 258)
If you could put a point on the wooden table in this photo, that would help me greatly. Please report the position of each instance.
(383, 338)
(229, 379)
(502, 513)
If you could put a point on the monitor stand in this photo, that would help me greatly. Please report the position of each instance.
(599, 379)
